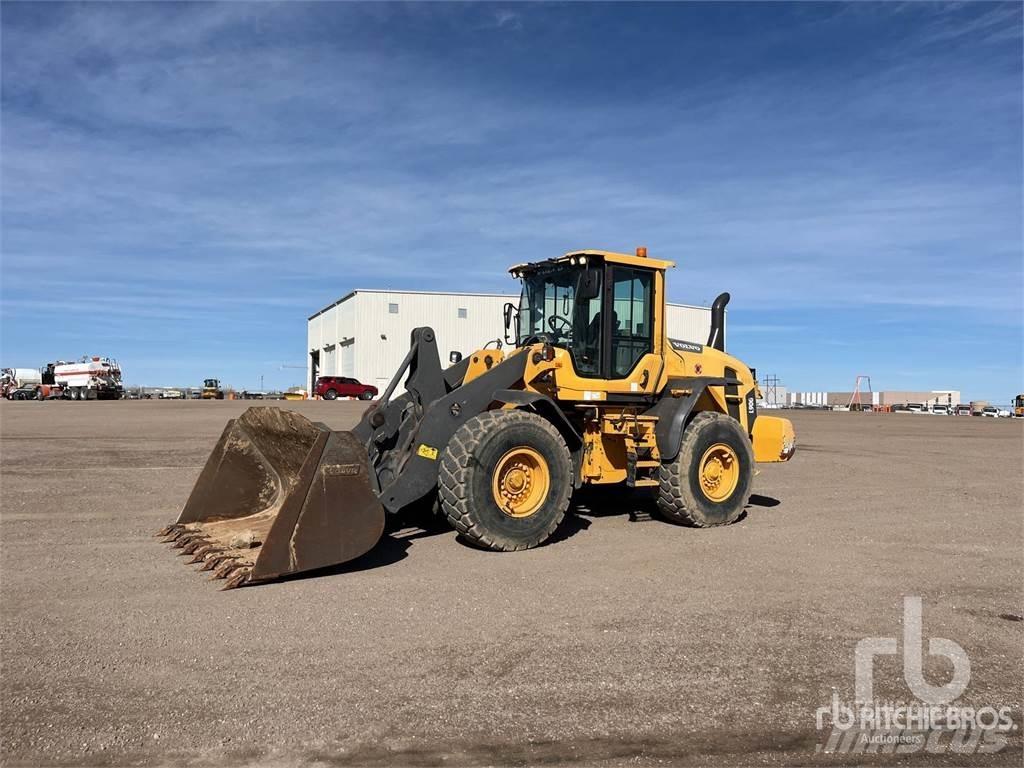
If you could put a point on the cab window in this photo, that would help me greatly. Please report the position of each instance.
(632, 336)
(586, 344)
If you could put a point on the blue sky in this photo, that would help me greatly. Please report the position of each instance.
(184, 184)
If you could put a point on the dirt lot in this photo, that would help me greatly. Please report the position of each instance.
(626, 640)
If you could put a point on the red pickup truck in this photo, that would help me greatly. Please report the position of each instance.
(333, 387)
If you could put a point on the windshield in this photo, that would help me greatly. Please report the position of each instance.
(548, 308)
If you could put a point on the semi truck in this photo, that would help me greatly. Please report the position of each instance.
(91, 378)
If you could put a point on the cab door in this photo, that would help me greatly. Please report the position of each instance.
(629, 363)
(615, 359)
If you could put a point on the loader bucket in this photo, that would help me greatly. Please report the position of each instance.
(278, 495)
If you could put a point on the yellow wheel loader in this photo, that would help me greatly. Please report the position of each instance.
(212, 390)
(593, 392)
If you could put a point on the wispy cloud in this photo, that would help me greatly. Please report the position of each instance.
(260, 160)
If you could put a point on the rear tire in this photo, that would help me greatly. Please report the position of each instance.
(330, 394)
(709, 481)
(365, 396)
(518, 457)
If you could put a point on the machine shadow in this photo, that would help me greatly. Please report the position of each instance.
(585, 505)
(639, 505)
(389, 550)
(400, 531)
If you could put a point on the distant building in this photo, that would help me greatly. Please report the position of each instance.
(773, 396)
(881, 397)
(365, 334)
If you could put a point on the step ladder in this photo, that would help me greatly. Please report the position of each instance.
(642, 462)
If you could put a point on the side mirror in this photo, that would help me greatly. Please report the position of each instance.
(510, 313)
(589, 286)
(455, 357)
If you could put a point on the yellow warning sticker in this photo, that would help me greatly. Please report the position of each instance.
(427, 452)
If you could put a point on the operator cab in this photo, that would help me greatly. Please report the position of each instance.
(597, 305)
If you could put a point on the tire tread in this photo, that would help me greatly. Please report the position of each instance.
(454, 478)
(673, 475)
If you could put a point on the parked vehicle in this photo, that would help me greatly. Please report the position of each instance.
(917, 408)
(19, 383)
(212, 390)
(333, 387)
(1005, 413)
(940, 410)
(1018, 407)
(991, 411)
(172, 394)
(91, 378)
(962, 410)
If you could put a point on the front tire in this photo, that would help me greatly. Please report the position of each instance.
(505, 480)
(710, 480)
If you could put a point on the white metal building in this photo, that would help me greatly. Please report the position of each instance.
(365, 334)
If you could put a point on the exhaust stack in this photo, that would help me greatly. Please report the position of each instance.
(716, 338)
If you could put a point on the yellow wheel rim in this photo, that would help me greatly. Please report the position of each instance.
(719, 472)
(520, 483)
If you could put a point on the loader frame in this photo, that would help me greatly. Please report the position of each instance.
(405, 437)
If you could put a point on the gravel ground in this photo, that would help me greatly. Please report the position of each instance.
(626, 640)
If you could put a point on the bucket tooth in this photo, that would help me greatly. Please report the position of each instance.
(200, 554)
(196, 543)
(185, 540)
(224, 570)
(237, 579)
(176, 535)
(214, 561)
(168, 530)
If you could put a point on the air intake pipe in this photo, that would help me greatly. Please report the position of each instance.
(716, 338)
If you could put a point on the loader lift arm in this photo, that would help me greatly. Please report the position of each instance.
(404, 438)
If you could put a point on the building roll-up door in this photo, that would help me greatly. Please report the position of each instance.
(328, 361)
(348, 359)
